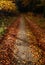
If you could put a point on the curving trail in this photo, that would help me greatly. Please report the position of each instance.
(19, 46)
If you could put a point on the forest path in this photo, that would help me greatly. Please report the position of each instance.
(19, 45)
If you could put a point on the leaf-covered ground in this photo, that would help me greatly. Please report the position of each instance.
(39, 19)
(19, 44)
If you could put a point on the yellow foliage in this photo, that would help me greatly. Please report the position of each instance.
(7, 5)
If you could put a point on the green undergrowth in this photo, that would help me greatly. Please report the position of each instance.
(5, 22)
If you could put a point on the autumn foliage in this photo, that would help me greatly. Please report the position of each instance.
(7, 5)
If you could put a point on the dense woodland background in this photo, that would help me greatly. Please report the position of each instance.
(14, 6)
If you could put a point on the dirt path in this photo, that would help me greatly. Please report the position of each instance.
(18, 46)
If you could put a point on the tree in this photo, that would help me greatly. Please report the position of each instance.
(8, 5)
